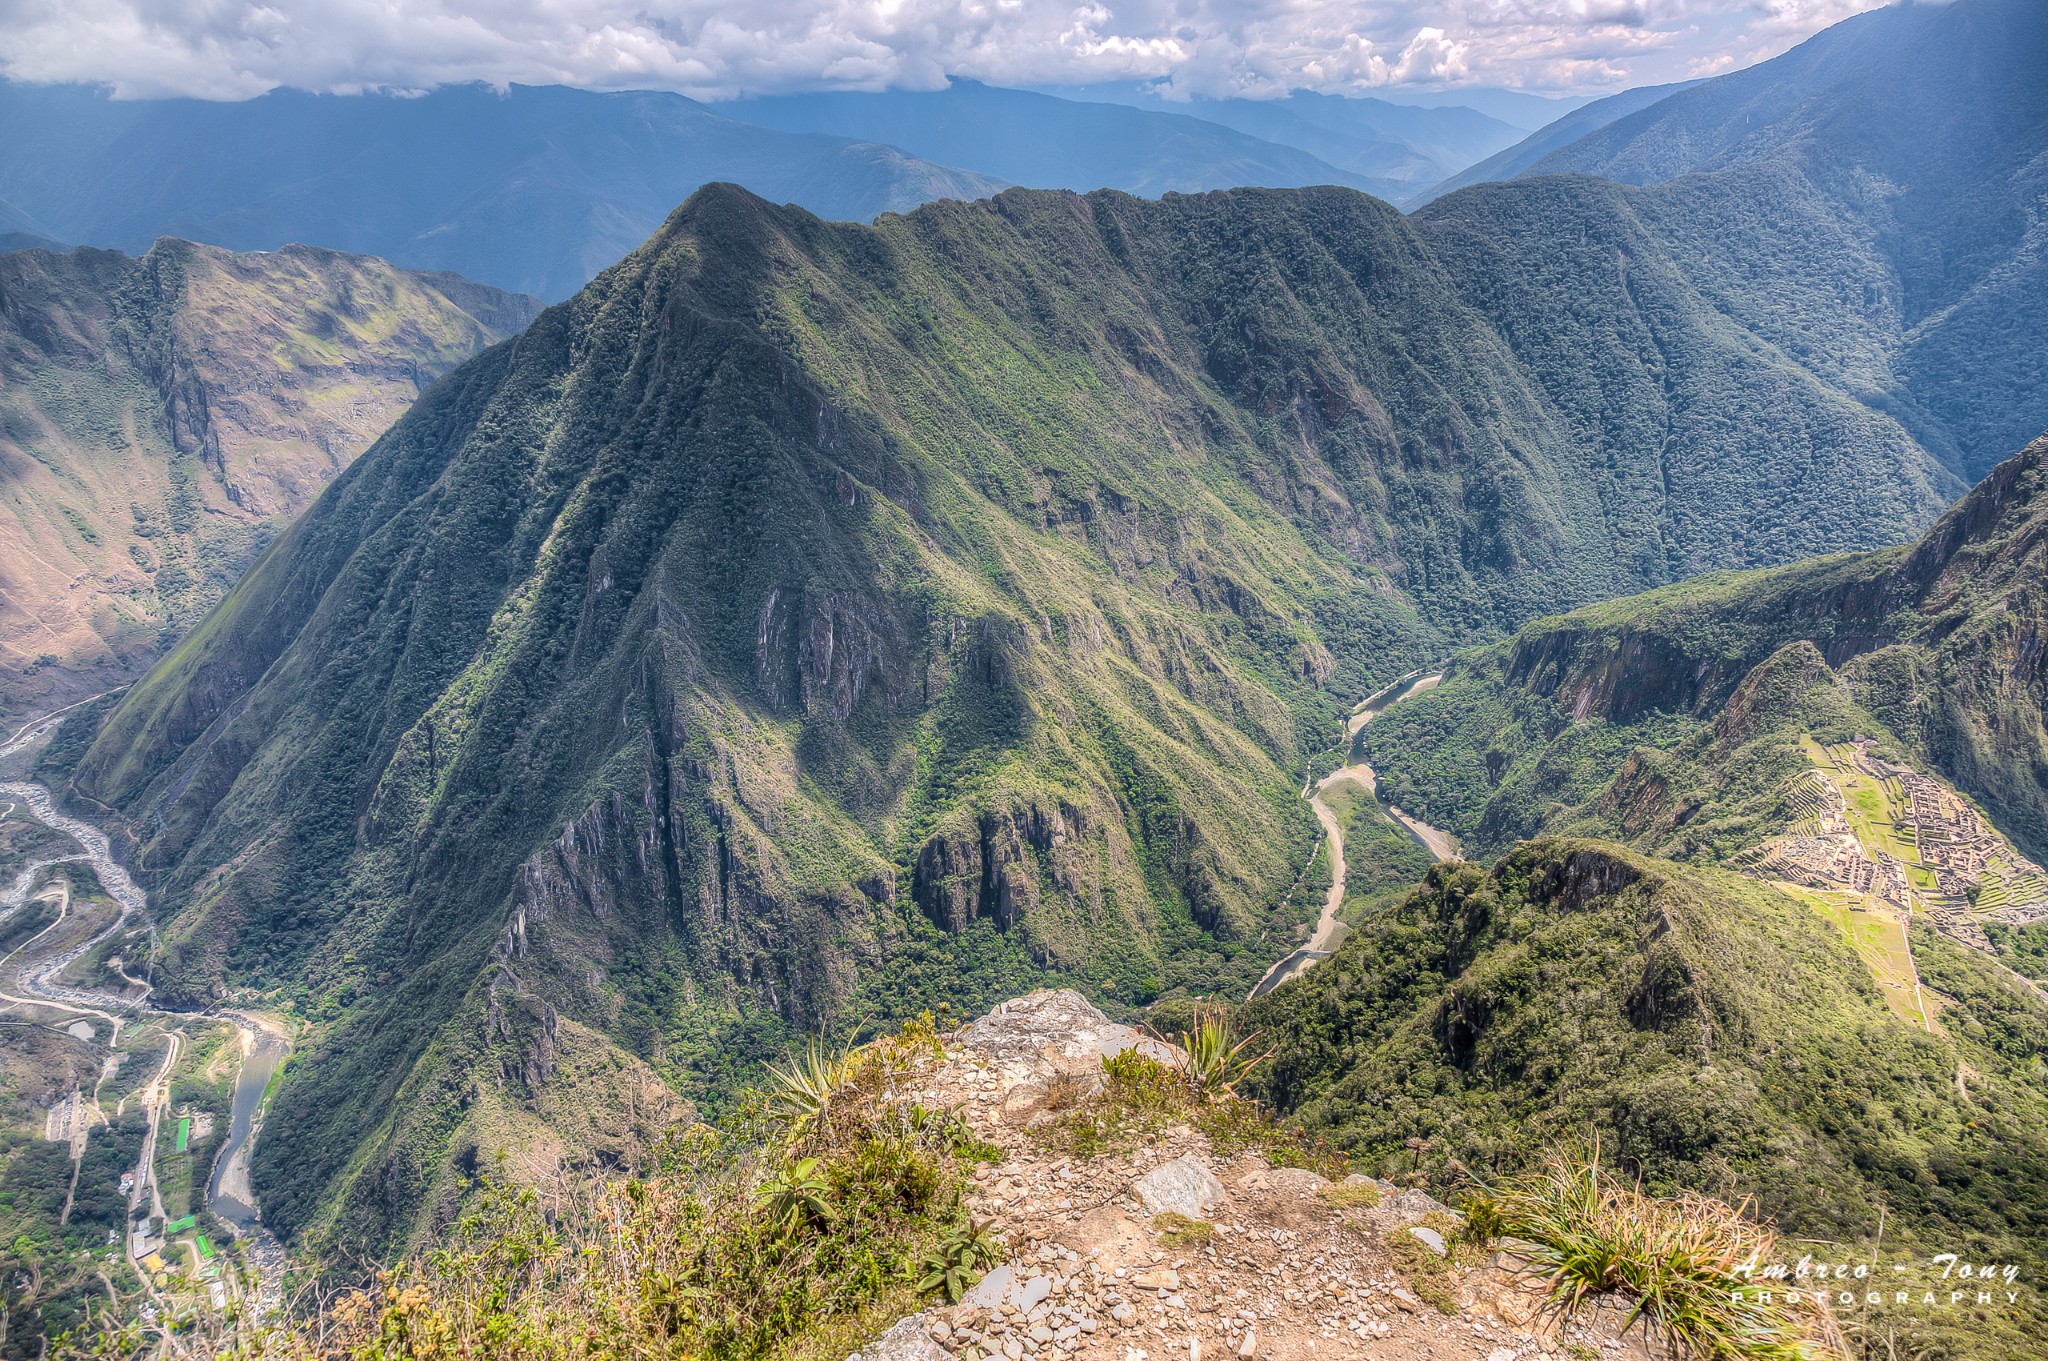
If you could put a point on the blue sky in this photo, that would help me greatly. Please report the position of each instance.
(232, 49)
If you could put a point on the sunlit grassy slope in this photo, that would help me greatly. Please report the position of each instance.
(162, 418)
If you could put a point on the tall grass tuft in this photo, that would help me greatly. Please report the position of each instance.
(1677, 1260)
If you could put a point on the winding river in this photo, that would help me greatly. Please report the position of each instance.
(1440, 844)
(228, 1194)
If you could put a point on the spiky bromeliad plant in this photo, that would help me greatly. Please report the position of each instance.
(1211, 1057)
(801, 1093)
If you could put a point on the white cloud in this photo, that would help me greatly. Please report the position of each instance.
(230, 49)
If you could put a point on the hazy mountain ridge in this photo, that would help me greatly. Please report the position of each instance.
(1120, 137)
(1514, 161)
(535, 189)
(162, 417)
(438, 181)
(1045, 142)
(1918, 133)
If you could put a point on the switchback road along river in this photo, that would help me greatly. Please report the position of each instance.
(1440, 844)
(264, 1044)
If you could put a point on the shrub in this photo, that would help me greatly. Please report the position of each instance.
(1139, 1094)
(801, 1093)
(1210, 1056)
(959, 1260)
(797, 1197)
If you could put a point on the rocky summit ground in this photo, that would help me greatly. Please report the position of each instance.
(1170, 1250)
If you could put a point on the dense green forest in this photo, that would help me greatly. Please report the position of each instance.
(1708, 1033)
(1899, 155)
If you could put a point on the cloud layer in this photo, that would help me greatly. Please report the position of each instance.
(233, 49)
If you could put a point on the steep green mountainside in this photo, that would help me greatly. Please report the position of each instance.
(1704, 690)
(811, 620)
(163, 417)
(1836, 1000)
(1921, 132)
(1713, 1033)
(1659, 322)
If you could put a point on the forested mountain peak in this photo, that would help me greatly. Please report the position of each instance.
(1916, 133)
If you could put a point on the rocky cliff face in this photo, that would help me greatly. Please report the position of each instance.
(165, 416)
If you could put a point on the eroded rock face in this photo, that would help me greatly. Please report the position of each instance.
(825, 654)
(1055, 1030)
(259, 375)
(988, 867)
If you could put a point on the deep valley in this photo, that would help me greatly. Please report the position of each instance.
(623, 814)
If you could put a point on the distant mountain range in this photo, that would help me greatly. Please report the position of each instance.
(533, 190)
(163, 417)
(1120, 138)
(19, 231)
(1519, 158)
(538, 188)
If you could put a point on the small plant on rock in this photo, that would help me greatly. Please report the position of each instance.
(797, 1197)
(1067, 1091)
(959, 1260)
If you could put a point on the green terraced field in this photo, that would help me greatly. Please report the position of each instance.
(1879, 939)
